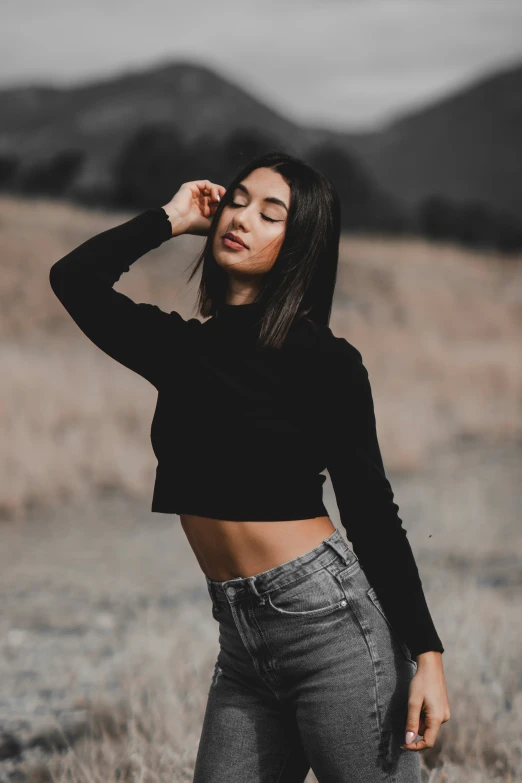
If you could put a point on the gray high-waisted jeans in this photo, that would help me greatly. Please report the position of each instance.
(310, 674)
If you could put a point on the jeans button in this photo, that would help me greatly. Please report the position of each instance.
(231, 590)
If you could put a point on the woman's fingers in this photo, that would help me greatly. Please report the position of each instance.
(428, 734)
(211, 189)
(428, 738)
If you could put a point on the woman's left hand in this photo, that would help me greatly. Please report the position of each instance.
(428, 705)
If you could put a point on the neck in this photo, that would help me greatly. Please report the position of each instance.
(244, 316)
(239, 301)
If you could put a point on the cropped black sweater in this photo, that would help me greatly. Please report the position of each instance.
(242, 432)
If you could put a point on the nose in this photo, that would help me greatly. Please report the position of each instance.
(241, 221)
(240, 226)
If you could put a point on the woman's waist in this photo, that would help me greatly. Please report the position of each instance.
(226, 549)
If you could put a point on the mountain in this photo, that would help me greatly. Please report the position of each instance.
(467, 146)
(100, 117)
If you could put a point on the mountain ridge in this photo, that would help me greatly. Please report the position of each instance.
(464, 146)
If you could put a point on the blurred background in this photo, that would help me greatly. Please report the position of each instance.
(413, 109)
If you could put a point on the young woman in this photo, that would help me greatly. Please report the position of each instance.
(328, 658)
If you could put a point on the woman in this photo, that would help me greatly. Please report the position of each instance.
(327, 656)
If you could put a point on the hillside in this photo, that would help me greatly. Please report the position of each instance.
(464, 147)
(467, 146)
(100, 117)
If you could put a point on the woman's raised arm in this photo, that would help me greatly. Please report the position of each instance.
(135, 335)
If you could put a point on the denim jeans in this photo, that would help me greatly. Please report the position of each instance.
(309, 674)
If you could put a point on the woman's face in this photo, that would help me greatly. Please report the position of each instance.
(257, 214)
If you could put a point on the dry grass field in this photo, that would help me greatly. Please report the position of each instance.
(107, 642)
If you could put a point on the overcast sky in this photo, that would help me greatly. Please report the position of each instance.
(345, 64)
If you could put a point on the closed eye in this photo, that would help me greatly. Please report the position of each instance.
(271, 220)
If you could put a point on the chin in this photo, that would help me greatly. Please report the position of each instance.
(224, 261)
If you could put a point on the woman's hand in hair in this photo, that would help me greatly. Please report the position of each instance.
(192, 208)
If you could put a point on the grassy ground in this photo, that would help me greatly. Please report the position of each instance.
(107, 643)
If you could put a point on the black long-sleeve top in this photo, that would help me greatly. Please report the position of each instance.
(242, 432)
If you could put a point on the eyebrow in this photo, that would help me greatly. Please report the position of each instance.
(269, 199)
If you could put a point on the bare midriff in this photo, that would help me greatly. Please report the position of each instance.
(227, 549)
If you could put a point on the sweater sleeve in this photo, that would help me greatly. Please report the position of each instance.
(134, 334)
(366, 503)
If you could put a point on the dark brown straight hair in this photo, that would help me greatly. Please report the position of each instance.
(302, 280)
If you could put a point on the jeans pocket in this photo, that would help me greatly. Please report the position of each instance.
(310, 595)
(372, 595)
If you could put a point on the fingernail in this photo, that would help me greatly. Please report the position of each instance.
(218, 197)
(410, 736)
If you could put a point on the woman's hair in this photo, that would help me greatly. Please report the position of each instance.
(302, 279)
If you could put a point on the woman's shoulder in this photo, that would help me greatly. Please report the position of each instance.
(336, 348)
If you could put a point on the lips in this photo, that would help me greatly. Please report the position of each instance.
(235, 238)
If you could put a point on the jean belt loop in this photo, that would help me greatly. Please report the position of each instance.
(340, 551)
(212, 594)
(251, 580)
